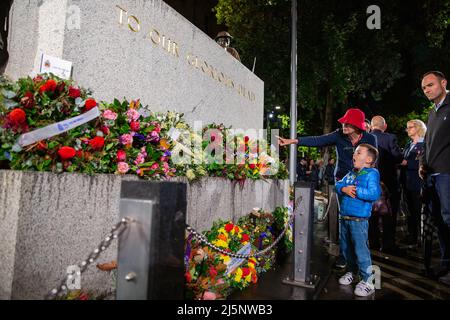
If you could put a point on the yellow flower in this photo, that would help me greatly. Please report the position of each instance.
(225, 259)
(248, 278)
(222, 230)
(220, 243)
(190, 174)
(238, 275)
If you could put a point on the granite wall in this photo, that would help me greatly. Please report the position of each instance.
(137, 49)
(48, 222)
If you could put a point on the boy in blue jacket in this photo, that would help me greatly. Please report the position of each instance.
(359, 189)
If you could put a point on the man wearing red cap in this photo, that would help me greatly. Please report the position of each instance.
(346, 140)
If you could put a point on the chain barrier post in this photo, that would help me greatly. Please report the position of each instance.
(151, 250)
(333, 220)
(303, 236)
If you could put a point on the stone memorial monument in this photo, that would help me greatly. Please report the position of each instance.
(137, 49)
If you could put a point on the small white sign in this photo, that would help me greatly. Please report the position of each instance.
(59, 67)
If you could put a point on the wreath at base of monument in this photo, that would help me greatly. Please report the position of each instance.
(211, 275)
(117, 137)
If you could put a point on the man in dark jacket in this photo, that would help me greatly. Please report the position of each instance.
(301, 170)
(435, 162)
(390, 156)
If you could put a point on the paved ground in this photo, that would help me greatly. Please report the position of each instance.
(402, 277)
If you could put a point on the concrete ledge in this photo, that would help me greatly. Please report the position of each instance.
(49, 221)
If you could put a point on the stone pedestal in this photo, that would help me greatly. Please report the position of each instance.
(49, 221)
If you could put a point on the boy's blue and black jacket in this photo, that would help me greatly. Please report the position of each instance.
(368, 190)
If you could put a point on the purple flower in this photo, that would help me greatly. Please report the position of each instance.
(139, 136)
(167, 153)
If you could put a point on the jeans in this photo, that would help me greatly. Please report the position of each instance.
(439, 189)
(354, 245)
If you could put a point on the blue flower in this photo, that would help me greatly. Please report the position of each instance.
(8, 155)
(139, 136)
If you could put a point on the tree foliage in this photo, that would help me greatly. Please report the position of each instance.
(341, 63)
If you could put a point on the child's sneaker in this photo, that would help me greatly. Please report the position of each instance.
(364, 289)
(346, 279)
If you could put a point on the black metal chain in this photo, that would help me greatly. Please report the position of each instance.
(200, 237)
(115, 233)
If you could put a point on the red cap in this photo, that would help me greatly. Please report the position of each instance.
(355, 117)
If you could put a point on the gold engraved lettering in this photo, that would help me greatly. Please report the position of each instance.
(122, 11)
(155, 37)
(175, 49)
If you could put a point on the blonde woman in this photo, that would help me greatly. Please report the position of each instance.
(411, 181)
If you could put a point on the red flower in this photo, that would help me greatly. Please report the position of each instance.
(60, 87)
(97, 143)
(245, 272)
(89, 104)
(105, 130)
(246, 139)
(236, 229)
(79, 154)
(37, 79)
(66, 153)
(28, 100)
(229, 227)
(245, 238)
(135, 126)
(83, 296)
(50, 85)
(188, 277)
(252, 166)
(212, 272)
(121, 156)
(17, 116)
(74, 92)
(42, 146)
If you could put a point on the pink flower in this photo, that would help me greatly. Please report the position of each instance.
(155, 166)
(220, 281)
(126, 139)
(139, 159)
(208, 295)
(157, 128)
(166, 167)
(109, 115)
(122, 167)
(133, 115)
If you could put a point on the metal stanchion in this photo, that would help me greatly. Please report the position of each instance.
(303, 237)
(333, 215)
(151, 250)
